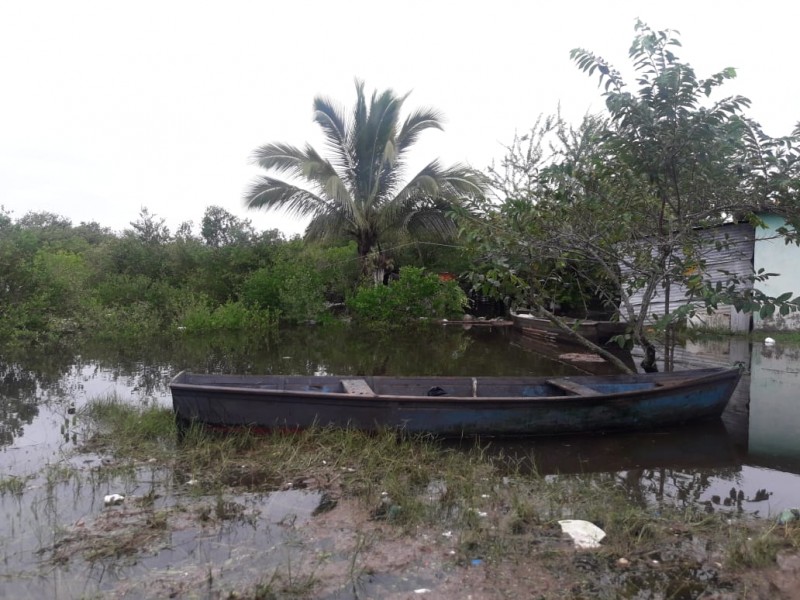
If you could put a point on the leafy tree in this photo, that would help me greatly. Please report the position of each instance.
(360, 192)
(18, 282)
(5, 218)
(695, 164)
(149, 229)
(221, 228)
(415, 295)
(626, 198)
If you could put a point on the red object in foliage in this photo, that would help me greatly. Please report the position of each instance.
(447, 277)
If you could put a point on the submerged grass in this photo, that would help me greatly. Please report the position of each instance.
(14, 485)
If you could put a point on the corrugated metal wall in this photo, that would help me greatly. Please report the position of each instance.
(735, 256)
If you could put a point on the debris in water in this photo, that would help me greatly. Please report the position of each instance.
(769, 341)
(326, 503)
(581, 357)
(583, 533)
(113, 499)
(422, 591)
(789, 515)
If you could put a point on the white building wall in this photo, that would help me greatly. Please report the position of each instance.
(775, 256)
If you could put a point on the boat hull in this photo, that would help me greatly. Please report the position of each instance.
(598, 332)
(470, 406)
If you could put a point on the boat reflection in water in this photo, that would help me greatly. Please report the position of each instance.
(704, 445)
(574, 355)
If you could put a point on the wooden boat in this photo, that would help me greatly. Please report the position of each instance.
(598, 332)
(454, 406)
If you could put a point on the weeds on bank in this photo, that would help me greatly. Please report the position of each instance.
(755, 548)
(494, 509)
(387, 472)
(13, 485)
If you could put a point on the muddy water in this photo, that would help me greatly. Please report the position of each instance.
(749, 462)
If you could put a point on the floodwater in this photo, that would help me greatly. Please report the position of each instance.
(749, 462)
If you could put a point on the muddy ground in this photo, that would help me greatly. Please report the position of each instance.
(319, 543)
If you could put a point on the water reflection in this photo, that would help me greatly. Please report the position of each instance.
(18, 401)
(774, 424)
(45, 383)
(697, 446)
(39, 390)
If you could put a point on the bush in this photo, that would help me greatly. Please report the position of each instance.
(416, 294)
(135, 320)
(198, 317)
(295, 290)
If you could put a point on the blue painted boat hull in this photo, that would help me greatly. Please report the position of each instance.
(504, 406)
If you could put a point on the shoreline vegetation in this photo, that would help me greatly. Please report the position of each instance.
(66, 282)
(462, 514)
(63, 282)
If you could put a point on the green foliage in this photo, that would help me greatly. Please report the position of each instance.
(262, 288)
(360, 193)
(338, 268)
(231, 316)
(416, 294)
(149, 229)
(131, 321)
(619, 204)
(221, 228)
(292, 289)
(61, 279)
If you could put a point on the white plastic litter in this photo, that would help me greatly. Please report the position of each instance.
(583, 533)
(769, 341)
(113, 499)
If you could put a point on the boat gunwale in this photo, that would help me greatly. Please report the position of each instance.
(568, 321)
(711, 376)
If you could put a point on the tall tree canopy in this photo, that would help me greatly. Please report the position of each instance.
(618, 205)
(360, 192)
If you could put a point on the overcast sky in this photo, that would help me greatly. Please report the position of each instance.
(110, 106)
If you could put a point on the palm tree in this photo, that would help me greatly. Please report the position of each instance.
(360, 193)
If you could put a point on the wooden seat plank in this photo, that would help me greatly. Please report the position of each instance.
(357, 387)
(572, 387)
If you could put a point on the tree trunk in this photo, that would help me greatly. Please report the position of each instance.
(584, 342)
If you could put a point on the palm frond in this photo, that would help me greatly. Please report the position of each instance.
(270, 193)
(414, 125)
(329, 225)
(335, 128)
(371, 142)
(432, 221)
(304, 164)
(460, 180)
(448, 184)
